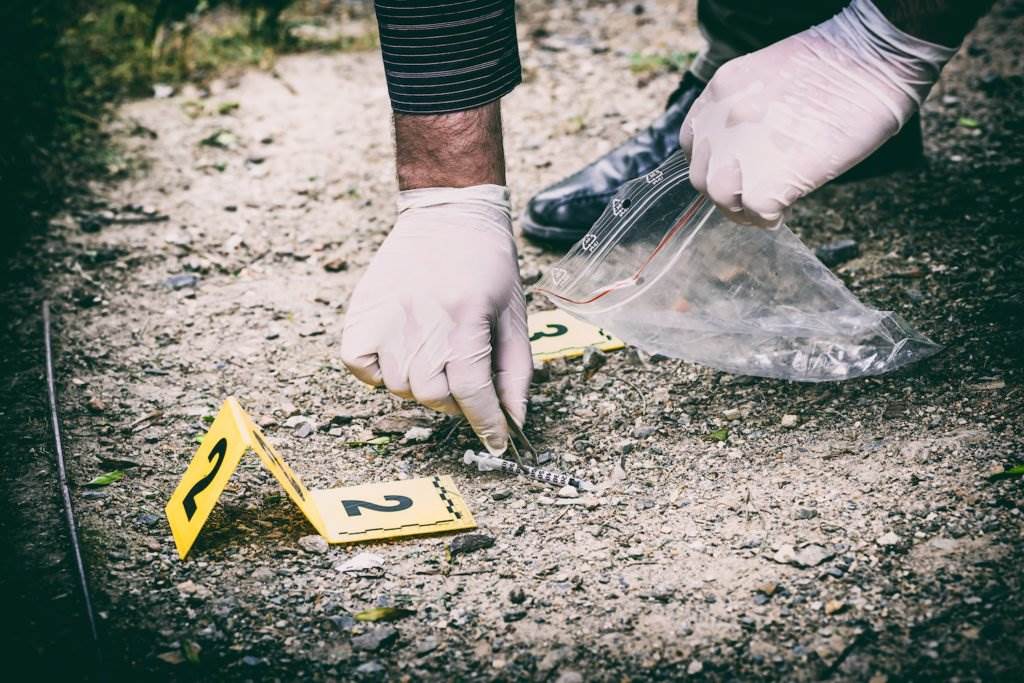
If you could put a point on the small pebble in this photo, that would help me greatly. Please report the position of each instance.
(148, 519)
(361, 562)
(370, 668)
(643, 431)
(568, 491)
(343, 622)
(314, 544)
(888, 539)
(182, 280)
(336, 265)
(593, 360)
(417, 435)
(514, 615)
(834, 606)
(375, 639)
(635, 357)
(789, 421)
(529, 276)
(468, 543)
(541, 373)
(836, 253)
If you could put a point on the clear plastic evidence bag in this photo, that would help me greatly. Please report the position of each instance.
(664, 270)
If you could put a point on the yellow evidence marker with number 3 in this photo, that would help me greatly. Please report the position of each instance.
(343, 515)
(556, 334)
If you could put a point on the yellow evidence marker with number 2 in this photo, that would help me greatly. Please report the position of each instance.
(351, 514)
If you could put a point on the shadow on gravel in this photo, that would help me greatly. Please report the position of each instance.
(46, 629)
(233, 526)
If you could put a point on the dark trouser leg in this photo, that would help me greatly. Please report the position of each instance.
(737, 27)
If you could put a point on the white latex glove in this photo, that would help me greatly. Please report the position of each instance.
(778, 123)
(440, 310)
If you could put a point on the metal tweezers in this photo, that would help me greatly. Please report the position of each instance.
(524, 445)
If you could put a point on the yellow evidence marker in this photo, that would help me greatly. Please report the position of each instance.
(556, 334)
(343, 515)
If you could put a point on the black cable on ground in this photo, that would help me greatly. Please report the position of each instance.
(69, 513)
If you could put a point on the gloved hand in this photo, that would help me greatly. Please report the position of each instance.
(778, 123)
(440, 308)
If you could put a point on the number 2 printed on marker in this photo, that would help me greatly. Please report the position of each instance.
(352, 507)
(220, 449)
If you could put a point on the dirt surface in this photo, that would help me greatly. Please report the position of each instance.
(865, 542)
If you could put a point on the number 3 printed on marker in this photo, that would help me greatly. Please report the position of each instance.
(557, 330)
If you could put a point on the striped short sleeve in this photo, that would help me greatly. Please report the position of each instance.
(449, 55)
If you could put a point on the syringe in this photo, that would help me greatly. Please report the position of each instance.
(488, 463)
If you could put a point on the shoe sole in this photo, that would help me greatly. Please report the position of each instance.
(890, 161)
(548, 233)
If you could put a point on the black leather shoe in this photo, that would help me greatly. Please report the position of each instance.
(902, 151)
(564, 212)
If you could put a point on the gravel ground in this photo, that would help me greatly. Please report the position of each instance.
(863, 542)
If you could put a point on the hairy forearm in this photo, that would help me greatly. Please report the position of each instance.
(460, 149)
(945, 22)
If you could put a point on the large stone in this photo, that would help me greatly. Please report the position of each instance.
(838, 252)
(810, 555)
(401, 422)
(376, 639)
(314, 544)
(467, 543)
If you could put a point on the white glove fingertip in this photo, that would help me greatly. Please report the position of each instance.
(431, 389)
(764, 211)
(513, 361)
(725, 187)
(686, 135)
(474, 393)
(699, 165)
(394, 374)
(364, 366)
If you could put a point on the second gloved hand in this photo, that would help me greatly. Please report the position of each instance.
(439, 315)
(778, 123)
